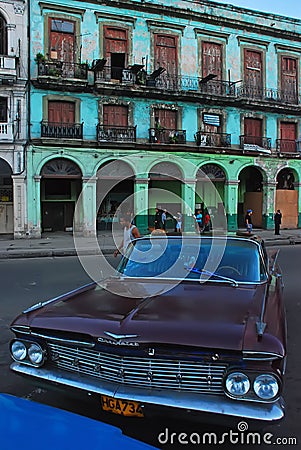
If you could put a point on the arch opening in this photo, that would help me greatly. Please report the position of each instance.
(61, 184)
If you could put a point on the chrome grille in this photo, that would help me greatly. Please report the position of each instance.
(180, 375)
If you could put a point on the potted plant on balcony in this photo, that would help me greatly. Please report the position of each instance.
(39, 58)
(173, 137)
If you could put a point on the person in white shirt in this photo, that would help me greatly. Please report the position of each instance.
(130, 232)
(178, 218)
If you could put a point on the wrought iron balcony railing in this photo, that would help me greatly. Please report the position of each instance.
(287, 146)
(209, 139)
(109, 73)
(255, 143)
(62, 130)
(167, 136)
(164, 81)
(63, 69)
(274, 95)
(113, 133)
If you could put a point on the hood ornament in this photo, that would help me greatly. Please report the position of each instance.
(118, 337)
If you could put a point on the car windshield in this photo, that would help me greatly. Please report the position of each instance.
(191, 258)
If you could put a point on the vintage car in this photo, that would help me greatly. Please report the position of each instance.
(192, 324)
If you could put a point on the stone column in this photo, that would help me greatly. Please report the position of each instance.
(268, 204)
(141, 203)
(20, 206)
(188, 204)
(34, 228)
(298, 188)
(85, 213)
(231, 203)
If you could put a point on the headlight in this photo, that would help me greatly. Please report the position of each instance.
(18, 350)
(266, 387)
(237, 384)
(35, 354)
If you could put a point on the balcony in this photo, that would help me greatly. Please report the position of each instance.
(287, 146)
(8, 67)
(62, 130)
(131, 75)
(167, 136)
(197, 84)
(61, 69)
(271, 95)
(255, 144)
(6, 132)
(209, 139)
(112, 133)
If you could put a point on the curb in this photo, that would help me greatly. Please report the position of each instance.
(59, 253)
(11, 254)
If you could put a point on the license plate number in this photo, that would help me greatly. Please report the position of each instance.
(122, 407)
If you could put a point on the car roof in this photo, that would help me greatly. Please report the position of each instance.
(158, 234)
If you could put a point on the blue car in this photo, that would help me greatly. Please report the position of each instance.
(28, 425)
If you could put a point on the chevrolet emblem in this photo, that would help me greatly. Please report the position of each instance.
(117, 337)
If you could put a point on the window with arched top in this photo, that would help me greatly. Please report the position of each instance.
(60, 167)
(3, 36)
(212, 171)
(286, 179)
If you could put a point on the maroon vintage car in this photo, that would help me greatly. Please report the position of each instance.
(188, 324)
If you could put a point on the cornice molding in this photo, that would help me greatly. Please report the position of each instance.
(206, 17)
(215, 34)
(288, 48)
(115, 17)
(62, 8)
(168, 25)
(249, 40)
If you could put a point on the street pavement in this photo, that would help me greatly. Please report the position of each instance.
(63, 243)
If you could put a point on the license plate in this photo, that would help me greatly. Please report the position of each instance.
(122, 407)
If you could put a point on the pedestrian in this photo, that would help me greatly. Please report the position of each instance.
(199, 220)
(130, 232)
(207, 222)
(277, 221)
(178, 218)
(163, 219)
(248, 221)
(158, 219)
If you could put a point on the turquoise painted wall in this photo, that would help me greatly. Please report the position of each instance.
(189, 32)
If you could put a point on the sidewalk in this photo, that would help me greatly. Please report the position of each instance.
(62, 244)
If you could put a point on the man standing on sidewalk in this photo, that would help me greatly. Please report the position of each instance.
(248, 221)
(277, 221)
(130, 232)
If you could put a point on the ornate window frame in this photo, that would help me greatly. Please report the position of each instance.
(116, 102)
(171, 107)
(61, 98)
(121, 26)
(216, 111)
(77, 35)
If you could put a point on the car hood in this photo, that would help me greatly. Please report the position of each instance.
(208, 315)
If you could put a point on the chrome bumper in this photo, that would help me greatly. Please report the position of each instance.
(181, 400)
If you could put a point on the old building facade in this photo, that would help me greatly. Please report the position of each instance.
(182, 105)
(13, 116)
